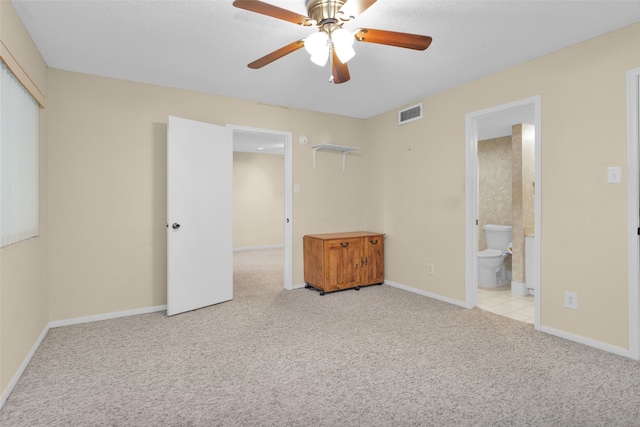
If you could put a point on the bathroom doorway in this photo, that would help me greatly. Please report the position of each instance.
(491, 124)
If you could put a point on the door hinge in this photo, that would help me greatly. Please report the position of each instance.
(638, 231)
(476, 222)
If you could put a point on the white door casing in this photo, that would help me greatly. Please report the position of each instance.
(199, 215)
(471, 196)
(633, 203)
(288, 205)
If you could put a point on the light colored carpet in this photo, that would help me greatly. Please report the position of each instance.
(375, 357)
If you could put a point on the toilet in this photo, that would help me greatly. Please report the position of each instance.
(491, 271)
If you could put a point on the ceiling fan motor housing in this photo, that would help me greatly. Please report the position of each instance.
(325, 13)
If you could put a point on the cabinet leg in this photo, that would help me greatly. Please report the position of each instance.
(357, 288)
(321, 293)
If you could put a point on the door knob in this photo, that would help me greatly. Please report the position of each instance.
(175, 226)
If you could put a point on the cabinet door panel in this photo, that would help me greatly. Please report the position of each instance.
(374, 260)
(343, 260)
(313, 261)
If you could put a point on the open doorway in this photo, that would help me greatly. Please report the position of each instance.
(262, 205)
(490, 125)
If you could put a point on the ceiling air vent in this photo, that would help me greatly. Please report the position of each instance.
(410, 114)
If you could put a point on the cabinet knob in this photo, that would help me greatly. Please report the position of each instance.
(373, 242)
(344, 244)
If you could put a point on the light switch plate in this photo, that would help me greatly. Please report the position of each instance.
(614, 175)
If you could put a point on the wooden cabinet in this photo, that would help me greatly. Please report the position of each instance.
(337, 261)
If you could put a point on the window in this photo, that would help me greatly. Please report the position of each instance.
(19, 211)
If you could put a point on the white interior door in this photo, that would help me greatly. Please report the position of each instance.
(199, 215)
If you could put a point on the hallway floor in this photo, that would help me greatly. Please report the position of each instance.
(501, 301)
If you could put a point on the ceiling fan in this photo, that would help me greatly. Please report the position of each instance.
(331, 41)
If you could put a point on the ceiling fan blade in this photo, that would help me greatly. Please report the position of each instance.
(273, 11)
(391, 38)
(276, 54)
(354, 8)
(339, 71)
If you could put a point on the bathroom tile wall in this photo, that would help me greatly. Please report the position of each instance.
(494, 184)
(522, 167)
(506, 167)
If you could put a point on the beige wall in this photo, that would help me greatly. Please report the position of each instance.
(107, 185)
(258, 200)
(18, 41)
(416, 183)
(24, 295)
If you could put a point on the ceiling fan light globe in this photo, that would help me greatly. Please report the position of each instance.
(345, 53)
(342, 37)
(317, 45)
(320, 58)
(343, 44)
(316, 42)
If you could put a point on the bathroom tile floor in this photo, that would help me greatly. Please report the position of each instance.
(501, 301)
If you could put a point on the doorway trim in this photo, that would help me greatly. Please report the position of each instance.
(633, 203)
(288, 211)
(471, 196)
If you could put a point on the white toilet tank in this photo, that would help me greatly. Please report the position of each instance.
(498, 236)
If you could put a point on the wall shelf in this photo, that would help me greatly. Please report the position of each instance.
(331, 147)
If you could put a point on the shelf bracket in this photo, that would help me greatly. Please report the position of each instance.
(344, 159)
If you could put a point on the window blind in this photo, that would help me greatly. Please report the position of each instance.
(19, 210)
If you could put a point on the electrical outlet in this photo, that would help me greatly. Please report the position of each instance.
(571, 300)
(430, 269)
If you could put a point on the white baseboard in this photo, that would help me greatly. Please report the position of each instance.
(519, 289)
(23, 366)
(426, 294)
(67, 322)
(106, 316)
(588, 341)
(299, 286)
(253, 248)
(552, 331)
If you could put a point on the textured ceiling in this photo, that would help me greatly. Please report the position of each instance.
(205, 46)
